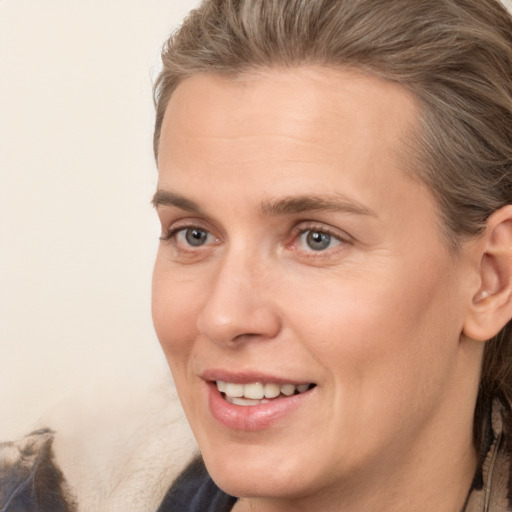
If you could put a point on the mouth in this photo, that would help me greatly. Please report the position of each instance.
(250, 401)
(257, 393)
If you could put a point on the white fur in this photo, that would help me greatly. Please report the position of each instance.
(120, 448)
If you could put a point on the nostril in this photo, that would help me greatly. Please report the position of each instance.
(246, 336)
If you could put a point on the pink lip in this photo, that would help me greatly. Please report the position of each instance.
(255, 417)
(247, 377)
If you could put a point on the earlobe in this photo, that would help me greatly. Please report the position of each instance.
(491, 306)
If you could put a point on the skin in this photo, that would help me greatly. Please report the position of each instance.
(375, 319)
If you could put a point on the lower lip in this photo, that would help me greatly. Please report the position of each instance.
(252, 417)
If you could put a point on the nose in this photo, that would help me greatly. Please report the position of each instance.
(239, 306)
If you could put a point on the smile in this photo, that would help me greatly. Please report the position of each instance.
(252, 401)
(257, 393)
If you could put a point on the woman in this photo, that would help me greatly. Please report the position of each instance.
(333, 284)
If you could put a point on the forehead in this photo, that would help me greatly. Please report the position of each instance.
(279, 133)
(314, 104)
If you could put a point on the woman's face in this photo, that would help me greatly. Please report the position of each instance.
(299, 257)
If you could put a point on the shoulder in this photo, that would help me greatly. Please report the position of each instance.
(195, 491)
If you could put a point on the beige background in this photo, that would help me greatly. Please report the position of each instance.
(77, 233)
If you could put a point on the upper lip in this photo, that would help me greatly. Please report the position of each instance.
(248, 377)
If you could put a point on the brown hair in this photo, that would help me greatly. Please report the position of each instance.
(454, 55)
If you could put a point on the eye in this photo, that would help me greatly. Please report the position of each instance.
(317, 240)
(193, 237)
(188, 242)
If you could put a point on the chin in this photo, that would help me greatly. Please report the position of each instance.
(262, 475)
(249, 484)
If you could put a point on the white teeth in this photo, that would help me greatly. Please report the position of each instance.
(256, 392)
(288, 389)
(272, 390)
(235, 390)
(245, 401)
(302, 388)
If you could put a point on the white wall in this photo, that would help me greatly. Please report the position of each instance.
(77, 233)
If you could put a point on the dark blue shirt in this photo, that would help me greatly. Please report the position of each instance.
(195, 491)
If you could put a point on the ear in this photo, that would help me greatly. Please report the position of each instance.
(491, 306)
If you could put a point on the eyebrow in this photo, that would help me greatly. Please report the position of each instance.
(167, 198)
(313, 203)
(283, 206)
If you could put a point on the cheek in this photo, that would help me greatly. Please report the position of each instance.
(375, 327)
(175, 310)
(387, 347)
